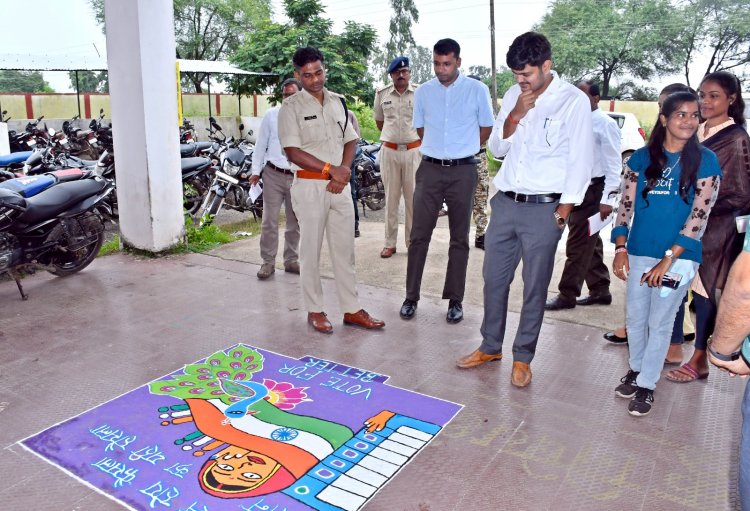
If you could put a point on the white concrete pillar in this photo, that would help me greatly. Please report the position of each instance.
(142, 87)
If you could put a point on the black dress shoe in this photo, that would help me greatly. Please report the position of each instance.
(408, 309)
(615, 339)
(558, 303)
(595, 300)
(479, 242)
(356, 233)
(455, 312)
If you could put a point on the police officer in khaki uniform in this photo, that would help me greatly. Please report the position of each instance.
(399, 156)
(319, 141)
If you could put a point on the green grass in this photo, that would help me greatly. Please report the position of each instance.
(198, 239)
(211, 236)
(110, 247)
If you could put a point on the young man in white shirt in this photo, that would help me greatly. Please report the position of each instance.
(543, 131)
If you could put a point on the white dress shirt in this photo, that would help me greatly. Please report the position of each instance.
(267, 145)
(551, 150)
(607, 157)
(451, 117)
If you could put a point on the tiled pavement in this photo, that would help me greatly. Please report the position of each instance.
(564, 443)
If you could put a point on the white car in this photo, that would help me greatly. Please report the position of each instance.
(633, 136)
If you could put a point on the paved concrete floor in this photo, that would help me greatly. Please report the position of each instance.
(565, 443)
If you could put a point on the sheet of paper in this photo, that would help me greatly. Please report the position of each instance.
(596, 223)
(255, 192)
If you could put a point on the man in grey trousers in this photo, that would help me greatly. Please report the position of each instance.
(277, 183)
(543, 131)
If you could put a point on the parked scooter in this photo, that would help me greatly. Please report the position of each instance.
(59, 229)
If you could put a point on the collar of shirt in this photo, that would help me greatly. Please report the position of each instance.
(551, 150)
(451, 116)
(703, 135)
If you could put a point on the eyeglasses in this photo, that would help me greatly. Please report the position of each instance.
(400, 72)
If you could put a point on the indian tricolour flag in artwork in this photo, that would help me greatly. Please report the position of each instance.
(245, 429)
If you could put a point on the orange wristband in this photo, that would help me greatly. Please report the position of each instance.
(326, 169)
(512, 120)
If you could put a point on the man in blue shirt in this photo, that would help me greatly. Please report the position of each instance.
(453, 118)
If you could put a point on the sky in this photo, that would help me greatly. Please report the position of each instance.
(55, 27)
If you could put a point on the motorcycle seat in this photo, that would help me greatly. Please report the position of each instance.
(193, 164)
(371, 148)
(56, 199)
(28, 186)
(194, 148)
(13, 158)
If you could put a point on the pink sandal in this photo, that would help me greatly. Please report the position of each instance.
(687, 371)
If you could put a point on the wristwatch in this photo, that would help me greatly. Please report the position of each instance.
(668, 253)
(724, 358)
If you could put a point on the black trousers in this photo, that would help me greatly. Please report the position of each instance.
(434, 184)
(584, 254)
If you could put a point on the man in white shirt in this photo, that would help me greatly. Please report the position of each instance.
(584, 253)
(270, 159)
(543, 131)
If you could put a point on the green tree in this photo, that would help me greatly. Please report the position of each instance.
(482, 72)
(720, 28)
(629, 90)
(610, 39)
(90, 81)
(209, 29)
(23, 81)
(271, 46)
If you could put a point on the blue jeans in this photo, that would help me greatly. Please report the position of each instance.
(650, 320)
(745, 452)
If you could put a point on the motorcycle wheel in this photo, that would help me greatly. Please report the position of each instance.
(375, 197)
(211, 207)
(193, 192)
(67, 262)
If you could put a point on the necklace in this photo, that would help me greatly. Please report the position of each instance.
(667, 170)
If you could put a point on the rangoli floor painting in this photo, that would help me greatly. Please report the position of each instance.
(248, 429)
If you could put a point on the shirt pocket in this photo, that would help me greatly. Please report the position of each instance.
(313, 127)
(547, 135)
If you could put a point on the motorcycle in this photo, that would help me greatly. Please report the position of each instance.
(187, 132)
(370, 189)
(231, 184)
(25, 140)
(80, 142)
(196, 182)
(60, 229)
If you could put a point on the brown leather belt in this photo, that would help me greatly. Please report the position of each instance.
(279, 169)
(311, 174)
(402, 147)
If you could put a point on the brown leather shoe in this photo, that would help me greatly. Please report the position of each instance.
(387, 252)
(521, 375)
(476, 358)
(319, 322)
(363, 319)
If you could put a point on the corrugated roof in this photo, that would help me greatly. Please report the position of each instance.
(80, 63)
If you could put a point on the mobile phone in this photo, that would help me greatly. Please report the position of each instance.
(670, 279)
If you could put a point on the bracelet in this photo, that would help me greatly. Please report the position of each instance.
(620, 250)
(724, 358)
(512, 120)
(326, 169)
